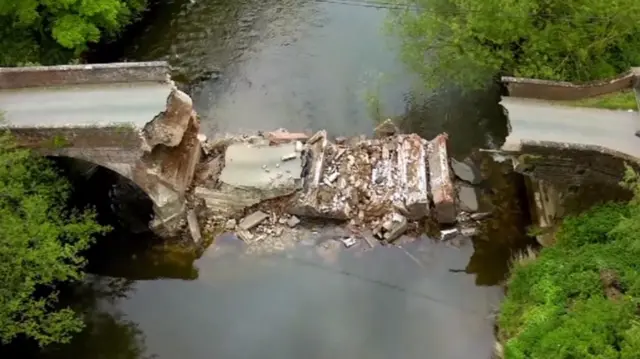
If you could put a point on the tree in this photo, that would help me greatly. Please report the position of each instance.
(466, 42)
(56, 31)
(40, 246)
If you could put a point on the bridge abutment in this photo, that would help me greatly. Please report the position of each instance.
(160, 158)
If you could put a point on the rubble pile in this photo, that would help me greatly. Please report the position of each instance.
(376, 183)
(261, 187)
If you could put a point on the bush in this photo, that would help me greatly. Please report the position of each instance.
(580, 298)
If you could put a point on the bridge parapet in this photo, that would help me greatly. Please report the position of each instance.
(65, 75)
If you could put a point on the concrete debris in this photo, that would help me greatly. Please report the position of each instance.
(480, 216)
(395, 227)
(194, 226)
(447, 234)
(340, 140)
(230, 224)
(252, 220)
(209, 170)
(442, 190)
(386, 129)
(348, 241)
(169, 126)
(363, 183)
(298, 146)
(293, 221)
(466, 172)
(244, 235)
(289, 157)
(282, 136)
(469, 231)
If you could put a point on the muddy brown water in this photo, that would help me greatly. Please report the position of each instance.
(257, 65)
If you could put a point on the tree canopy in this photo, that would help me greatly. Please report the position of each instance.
(40, 245)
(56, 31)
(467, 42)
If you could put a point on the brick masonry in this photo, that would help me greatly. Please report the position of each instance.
(42, 76)
(571, 164)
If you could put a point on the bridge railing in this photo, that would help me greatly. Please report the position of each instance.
(569, 91)
(122, 72)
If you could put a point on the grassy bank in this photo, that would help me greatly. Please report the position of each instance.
(579, 298)
(623, 100)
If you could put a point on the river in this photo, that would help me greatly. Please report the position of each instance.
(304, 65)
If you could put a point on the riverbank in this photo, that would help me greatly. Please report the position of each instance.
(578, 297)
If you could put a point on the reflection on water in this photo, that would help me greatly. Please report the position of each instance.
(380, 304)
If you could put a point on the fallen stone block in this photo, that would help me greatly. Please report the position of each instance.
(252, 220)
(194, 227)
(386, 129)
(280, 137)
(230, 224)
(245, 236)
(442, 190)
(412, 166)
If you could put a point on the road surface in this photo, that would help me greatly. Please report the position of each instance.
(542, 121)
(82, 105)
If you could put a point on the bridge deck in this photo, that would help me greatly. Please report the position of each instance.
(543, 121)
(84, 105)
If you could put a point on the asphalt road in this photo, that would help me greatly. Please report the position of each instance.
(542, 121)
(81, 105)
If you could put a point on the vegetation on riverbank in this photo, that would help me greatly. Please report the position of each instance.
(59, 31)
(467, 43)
(623, 100)
(40, 246)
(580, 298)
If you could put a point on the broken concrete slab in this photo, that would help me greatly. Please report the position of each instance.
(466, 172)
(468, 198)
(243, 182)
(442, 190)
(252, 220)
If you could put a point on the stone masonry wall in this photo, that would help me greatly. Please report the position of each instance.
(566, 91)
(572, 164)
(42, 76)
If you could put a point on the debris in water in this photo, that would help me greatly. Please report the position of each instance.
(252, 220)
(230, 224)
(480, 216)
(348, 241)
(289, 157)
(194, 226)
(446, 234)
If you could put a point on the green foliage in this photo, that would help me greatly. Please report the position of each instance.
(579, 298)
(40, 245)
(468, 42)
(56, 31)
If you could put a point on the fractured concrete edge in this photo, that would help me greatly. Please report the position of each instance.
(413, 168)
(442, 190)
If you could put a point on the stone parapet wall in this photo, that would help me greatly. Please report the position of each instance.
(86, 137)
(571, 164)
(566, 91)
(123, 72)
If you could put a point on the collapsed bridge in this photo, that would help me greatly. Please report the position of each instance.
(388, 184)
